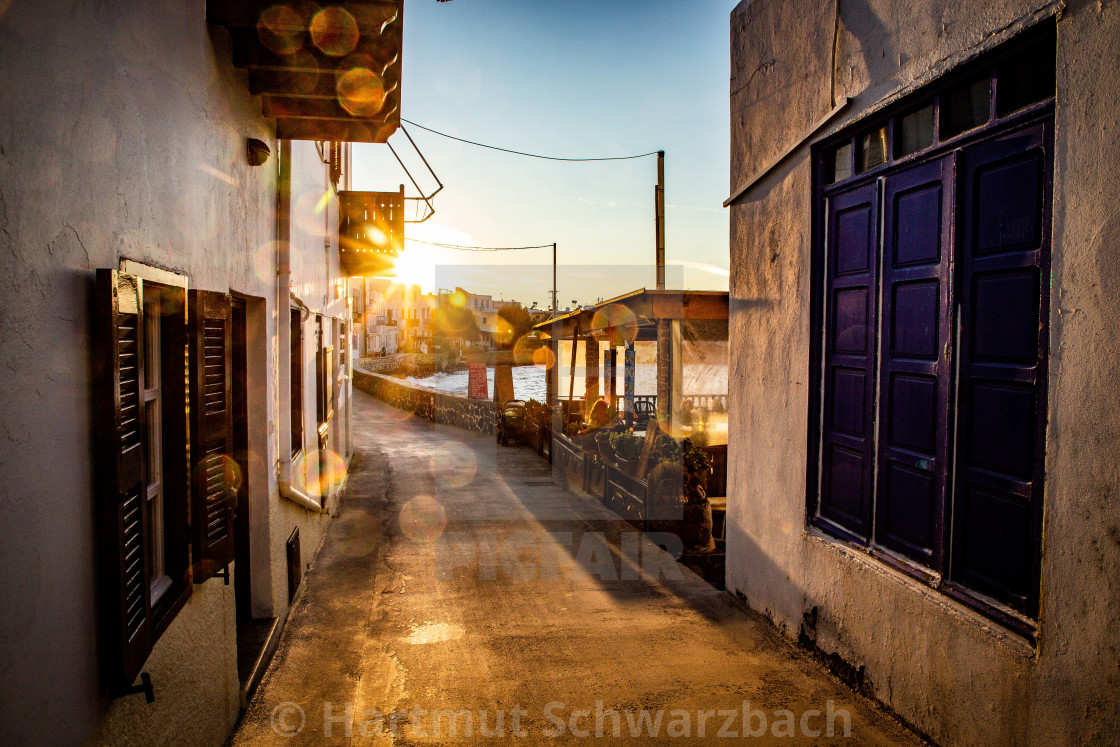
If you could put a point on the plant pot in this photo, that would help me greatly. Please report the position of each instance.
(697, 527)
(628, 466)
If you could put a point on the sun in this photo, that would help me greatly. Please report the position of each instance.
(412, 267)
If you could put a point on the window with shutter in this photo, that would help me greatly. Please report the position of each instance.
(140, 408)
(215, 477)
(932, 261)
(123, 520)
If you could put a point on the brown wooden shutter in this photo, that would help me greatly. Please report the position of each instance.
(214, 474)
(121, 447)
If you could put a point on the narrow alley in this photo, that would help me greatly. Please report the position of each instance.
(461, 596)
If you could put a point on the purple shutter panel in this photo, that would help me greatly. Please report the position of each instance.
(122, 520)
(847, 446)
(215, 477)
(915, 373)
(1004, 267)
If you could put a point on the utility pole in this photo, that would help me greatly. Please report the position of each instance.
(664, 379)
(555, 307)
(659, 228)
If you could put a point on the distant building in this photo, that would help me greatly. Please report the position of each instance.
(393, 317)
(925, 255)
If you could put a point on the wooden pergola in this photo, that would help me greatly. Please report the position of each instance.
(665, 316)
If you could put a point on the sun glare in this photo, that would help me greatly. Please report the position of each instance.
(413, 267)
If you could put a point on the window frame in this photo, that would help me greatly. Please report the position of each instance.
(295, 373)
(1040, 113)
(174, 449)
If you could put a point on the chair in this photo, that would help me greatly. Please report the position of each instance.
(643, 410)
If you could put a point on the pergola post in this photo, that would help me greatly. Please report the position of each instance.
(590, 372)
(552, 373)
(630, 365)
(676, 374)
(610, 368)
(664, 374)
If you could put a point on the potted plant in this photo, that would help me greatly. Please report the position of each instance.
(665, 498)
(697, 523)
(627, 449)
(665, 449)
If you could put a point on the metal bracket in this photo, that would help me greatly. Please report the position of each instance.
(426, 199)
(145, 687)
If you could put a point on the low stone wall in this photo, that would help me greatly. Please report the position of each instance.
(478, 415)
(406, 363)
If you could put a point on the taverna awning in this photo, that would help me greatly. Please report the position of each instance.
(706, 312)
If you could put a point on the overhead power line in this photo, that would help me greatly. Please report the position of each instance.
(479, 248)
(523, 153)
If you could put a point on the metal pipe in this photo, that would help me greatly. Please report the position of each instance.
(284, 332)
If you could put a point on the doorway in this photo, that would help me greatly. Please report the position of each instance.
(253, 633)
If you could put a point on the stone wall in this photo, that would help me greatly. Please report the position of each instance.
(478, 415)
(407, 363)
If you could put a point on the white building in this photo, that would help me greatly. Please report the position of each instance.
(170, 229)
(397, 317)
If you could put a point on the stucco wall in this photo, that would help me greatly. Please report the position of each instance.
(952, 673)
(123, 136)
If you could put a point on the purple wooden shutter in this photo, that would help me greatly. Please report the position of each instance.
(847, 446)
(915, 373)
(1004, 267)
(214, 474)
(121, 445)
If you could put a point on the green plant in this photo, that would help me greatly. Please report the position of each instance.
(666, 484)
(626, 446)
(603, 440)
(666, 449)
(536, 410)
(697, 461)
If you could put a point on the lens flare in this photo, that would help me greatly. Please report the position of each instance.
(361, 92)
(457, 299)
(319, 474)
(375, 235)
(453, 465)
(525, 349)
(357, 533)
(543, 356)
(423, 519)
(615, 324)
(264, 261)
(303, 75)
(503, 332)
(281, 30)
(309, 212)
(219, 472)
(334, 31)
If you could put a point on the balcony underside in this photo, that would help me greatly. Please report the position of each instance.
(323, 72)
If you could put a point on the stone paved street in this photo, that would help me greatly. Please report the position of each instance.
(533, 613)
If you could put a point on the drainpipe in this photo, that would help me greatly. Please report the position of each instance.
(284, 330)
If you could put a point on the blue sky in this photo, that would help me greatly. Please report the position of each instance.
(580, 79)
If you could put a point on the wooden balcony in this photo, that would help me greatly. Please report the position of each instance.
(370, 232)
(324, 72)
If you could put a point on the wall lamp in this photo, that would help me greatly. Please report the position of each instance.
(257, 151)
